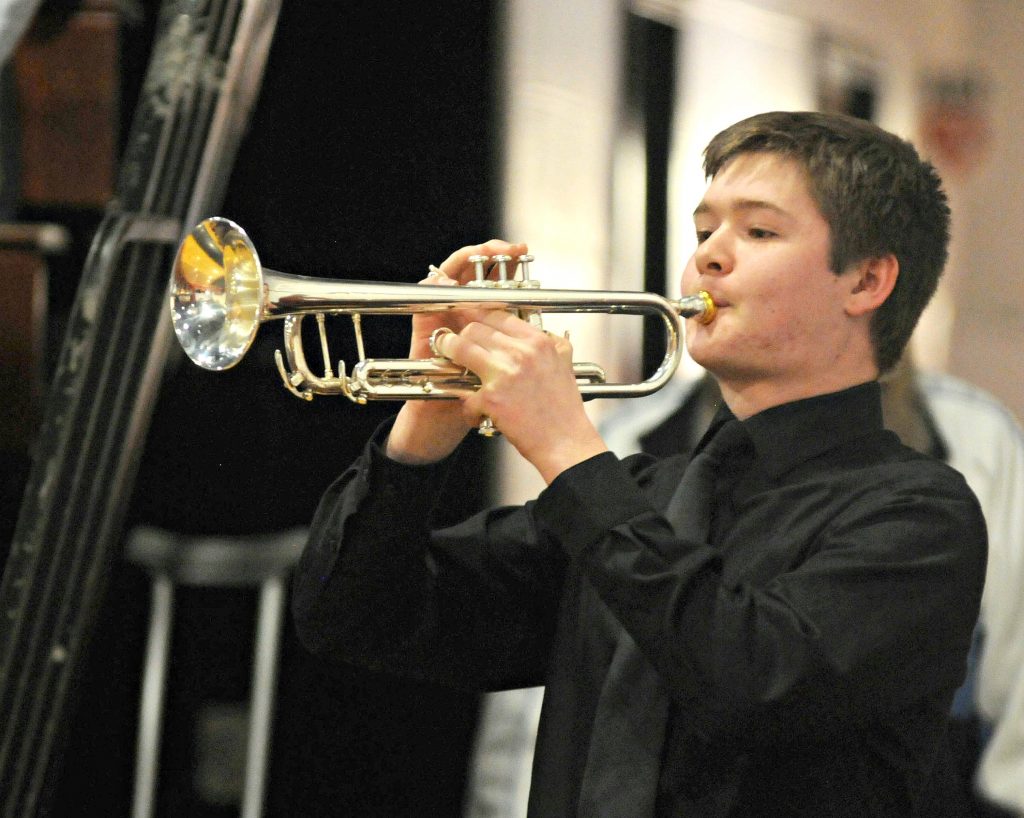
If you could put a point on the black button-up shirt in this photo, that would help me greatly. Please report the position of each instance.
(811, 649)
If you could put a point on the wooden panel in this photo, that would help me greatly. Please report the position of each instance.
(22, 335)
(68, 94)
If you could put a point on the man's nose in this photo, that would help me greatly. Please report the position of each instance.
(713, 255)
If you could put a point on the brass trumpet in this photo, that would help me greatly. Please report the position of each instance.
(220, 294)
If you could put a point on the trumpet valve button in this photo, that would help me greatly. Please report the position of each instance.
(478, 262)
(502, 263)
(524, 265)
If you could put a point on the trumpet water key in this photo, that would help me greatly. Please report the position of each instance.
(220, 294)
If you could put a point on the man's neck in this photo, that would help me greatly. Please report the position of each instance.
(748, 398)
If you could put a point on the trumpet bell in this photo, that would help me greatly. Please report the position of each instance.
(216, 294)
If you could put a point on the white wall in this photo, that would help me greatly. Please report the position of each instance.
(560, 99)
(989, 275)
(736, 60)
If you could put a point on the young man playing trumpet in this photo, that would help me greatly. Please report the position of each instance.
(786, 645)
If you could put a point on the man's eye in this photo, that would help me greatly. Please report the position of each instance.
(761, 233)
(703, 235)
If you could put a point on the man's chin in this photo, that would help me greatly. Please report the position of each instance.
(701, 350)
(716, 361)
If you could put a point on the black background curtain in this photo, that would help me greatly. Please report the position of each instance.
(371, 154)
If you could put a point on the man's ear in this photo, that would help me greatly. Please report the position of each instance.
(873, 280)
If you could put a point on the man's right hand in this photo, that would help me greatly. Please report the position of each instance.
(426, 431)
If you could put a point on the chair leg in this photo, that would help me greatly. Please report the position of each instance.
(147, 755)
(268, 638)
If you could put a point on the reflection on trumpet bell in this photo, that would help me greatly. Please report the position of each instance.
(216, 294)
(220, 294)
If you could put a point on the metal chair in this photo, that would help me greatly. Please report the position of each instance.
(172, 559)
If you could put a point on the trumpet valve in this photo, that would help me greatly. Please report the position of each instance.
(519, 278)
(501, 262)
(525, 281)
(478, 262)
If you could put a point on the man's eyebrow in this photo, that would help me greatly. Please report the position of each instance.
(743, 205)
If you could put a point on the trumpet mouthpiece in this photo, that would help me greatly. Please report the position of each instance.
(700, 306)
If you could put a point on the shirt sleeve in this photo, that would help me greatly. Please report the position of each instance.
(872, 616)
(472, 605)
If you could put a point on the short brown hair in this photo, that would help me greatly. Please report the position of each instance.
(877, 195)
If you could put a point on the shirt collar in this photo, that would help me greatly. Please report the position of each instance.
(789, 434)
